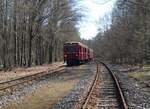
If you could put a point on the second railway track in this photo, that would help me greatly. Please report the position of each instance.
(12, 84)
(105, 92)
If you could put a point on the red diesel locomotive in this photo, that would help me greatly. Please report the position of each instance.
(76, 53)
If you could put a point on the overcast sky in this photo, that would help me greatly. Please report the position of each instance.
(95, 10)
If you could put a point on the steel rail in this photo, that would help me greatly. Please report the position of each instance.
(85, 103)
(118, 88)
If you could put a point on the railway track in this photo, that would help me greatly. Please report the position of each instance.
(12, 84)
(105, 92)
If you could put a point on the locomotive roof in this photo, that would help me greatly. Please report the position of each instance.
(77, 43)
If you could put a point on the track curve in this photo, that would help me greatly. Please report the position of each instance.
(105, 91)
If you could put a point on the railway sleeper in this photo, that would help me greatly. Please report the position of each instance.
(106, 100)
(107, 89)
(108, 106)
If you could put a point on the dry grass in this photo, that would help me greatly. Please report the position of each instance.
(19, 72)
(140, 75)
(44, 97)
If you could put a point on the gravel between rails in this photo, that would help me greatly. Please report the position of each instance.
(79, 91)
(136, 97)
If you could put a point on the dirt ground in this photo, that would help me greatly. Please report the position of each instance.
(20, 72)
(45, 96)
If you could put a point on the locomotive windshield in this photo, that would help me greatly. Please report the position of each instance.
(70, 49)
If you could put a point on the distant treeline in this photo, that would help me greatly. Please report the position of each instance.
(127, 40)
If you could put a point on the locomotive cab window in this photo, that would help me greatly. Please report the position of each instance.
(70, 49)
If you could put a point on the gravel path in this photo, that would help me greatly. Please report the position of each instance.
(136, 97)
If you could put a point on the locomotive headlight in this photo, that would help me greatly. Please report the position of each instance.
(65, 56)
(76, 55)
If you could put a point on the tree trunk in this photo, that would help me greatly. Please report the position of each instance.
(50, 54)
(30, 47)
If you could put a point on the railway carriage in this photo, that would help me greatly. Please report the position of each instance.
(76, 53)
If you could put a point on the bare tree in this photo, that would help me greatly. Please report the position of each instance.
(33, 31)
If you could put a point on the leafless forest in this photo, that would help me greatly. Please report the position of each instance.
(127, 39)
(32, 31)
